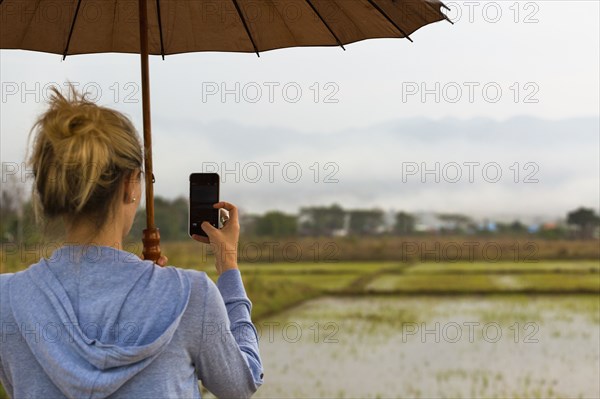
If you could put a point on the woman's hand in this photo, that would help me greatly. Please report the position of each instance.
(224, 242)
(162, 261)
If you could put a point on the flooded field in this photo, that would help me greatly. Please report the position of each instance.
(444, 347)
(426, 330)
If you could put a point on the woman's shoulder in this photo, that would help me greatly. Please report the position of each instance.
(7, 278)
(197, 278)
(4, 281)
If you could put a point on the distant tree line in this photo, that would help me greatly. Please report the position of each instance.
(17, 223)
(586, 222)
(335, 221)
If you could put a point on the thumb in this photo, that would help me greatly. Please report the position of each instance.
(163, 260)
(208, 228)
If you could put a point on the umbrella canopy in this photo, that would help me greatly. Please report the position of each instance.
(178, 26)
(164, 27)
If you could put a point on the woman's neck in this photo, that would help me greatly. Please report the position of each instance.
(84, 234)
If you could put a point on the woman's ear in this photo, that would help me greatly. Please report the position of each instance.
(130, 187)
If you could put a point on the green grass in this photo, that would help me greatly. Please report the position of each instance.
(270, 297)
(325, 282)
(466, 267)
(317, 268)
(304, 268)
(420, 282)
(411, 283)
(275, 287)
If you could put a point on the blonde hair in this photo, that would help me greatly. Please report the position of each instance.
(81, 155)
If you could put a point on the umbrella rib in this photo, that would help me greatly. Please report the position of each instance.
(389, 19)
(326, 24)
(162, 47)
(445, 16)
(440, 11)
(239, 11)
(71, 31)
(448, 19)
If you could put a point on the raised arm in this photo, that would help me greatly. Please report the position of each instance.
(229, 362)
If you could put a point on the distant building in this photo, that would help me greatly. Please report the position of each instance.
(343, 232)
(429, 222)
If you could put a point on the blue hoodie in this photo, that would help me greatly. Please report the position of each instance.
(97, 322)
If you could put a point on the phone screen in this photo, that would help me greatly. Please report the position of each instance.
(204, 193)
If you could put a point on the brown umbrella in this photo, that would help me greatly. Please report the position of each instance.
(164, 27)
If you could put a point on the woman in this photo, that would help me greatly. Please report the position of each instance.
(95, 321)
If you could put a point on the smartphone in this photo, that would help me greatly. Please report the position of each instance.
(204, 193)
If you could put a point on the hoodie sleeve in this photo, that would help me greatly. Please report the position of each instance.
(229, 363)
(5, 382)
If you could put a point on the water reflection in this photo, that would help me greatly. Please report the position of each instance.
(430, 347)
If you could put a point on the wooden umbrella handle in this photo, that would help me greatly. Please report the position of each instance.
(151, 240)
(151, 236)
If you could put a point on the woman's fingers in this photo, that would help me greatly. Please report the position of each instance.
(208, 228)
(202, 239)
(233, 212)
(163, 260)
(223, 215)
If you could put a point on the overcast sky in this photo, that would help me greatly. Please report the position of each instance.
(500, 60)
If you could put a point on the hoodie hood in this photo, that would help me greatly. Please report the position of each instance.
(94, 317)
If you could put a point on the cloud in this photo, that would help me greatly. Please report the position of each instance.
(479, 166)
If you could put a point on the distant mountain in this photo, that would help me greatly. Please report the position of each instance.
(546, 167)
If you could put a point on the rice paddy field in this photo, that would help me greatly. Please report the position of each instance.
(430, 330)
(422, 329)
(513, 346)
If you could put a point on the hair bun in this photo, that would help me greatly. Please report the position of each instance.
(81, 153)
(71, 117)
